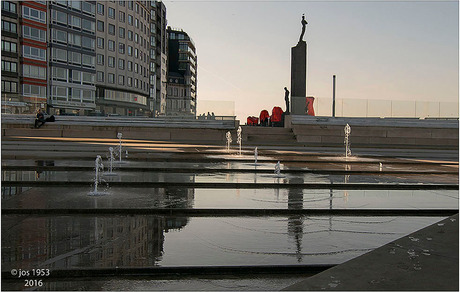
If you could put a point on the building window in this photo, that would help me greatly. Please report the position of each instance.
(100, 76)
(121, 32)
(34, 90)
(88, 8)
(34, 53)
(36, 34)
(130, 51)
(136, 53)
(100, 59)
(59, 17)
(136, 38)
(130, 66)
(59, 36)
(121, 64)
(100, 25)
(100, 8)
(130, 35)
(74, 39)
(121, 80)
(111, 46)
(60, 74)
(88, 26)
(9, 86)
(121, 3)
(88, 61)
(111, 29)
(9, 7)
(111, 12)
(9, 26)
(111, 61)
(88, 78)
(73, 4)
(75, 22)
(100, 43)
(121, 16)
(74, 58)
(33, 71)
(59, 55)
(88, 43)
(111, 78)
(33, 14)
(121, 48)
(130, 19)
(130, 82)
(10, 66)
(130, 5)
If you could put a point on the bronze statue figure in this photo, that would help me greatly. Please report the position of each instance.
(304, 27)
(286, 99)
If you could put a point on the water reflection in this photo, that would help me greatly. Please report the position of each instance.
(295, 223)
(87, 242)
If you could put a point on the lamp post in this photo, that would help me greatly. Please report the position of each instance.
(333, 96)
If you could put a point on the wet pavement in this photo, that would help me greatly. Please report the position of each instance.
(63, 179)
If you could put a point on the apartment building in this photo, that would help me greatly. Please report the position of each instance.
(182, 72)
(92, 57)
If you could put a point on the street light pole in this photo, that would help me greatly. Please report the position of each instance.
(333, 96)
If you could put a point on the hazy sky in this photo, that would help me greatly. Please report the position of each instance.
(394, 50)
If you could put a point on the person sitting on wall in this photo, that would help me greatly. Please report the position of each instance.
(40, 119)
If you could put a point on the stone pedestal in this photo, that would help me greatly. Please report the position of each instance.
(298, 77)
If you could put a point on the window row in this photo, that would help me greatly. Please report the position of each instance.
(33, 14)
(9, 86)
(34, 71)
(34, 90)
(9, 66)
(74, 22)
(34, 33)
(34, 53)
(76, 58)
(9, 47)
(73, 94)
(9, 7)
(121, 80)
(85, 7)
(9, 26)
(63, 37)
(125, 97)
(73, 76)
(111, 11)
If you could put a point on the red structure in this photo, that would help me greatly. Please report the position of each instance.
(252, 121)
(277, 115)
(264, 116)
(310, 110)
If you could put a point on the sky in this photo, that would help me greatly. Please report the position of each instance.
(384, 50)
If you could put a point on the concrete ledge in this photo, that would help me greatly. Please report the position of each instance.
(424, 260)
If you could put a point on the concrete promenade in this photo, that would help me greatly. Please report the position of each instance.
(426, 260)
(301, 131)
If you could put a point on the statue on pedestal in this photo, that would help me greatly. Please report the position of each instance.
(304, 27)
(286, 99)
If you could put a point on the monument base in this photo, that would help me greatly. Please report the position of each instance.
(298, 106)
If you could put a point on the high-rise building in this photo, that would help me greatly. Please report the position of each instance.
(122, 48)
(94, 57)
(182, 72)
(158, 58)
(24, 59)
(72, 57)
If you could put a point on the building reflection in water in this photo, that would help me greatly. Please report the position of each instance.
(295, 222)
(92, 241)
